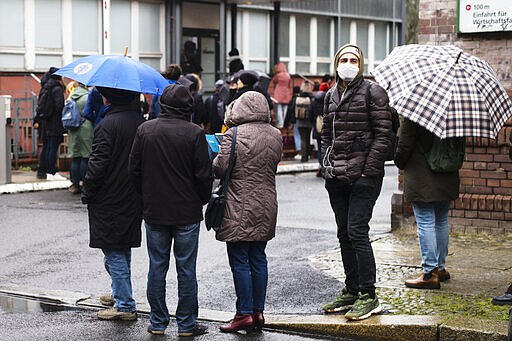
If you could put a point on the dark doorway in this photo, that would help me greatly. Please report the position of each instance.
(207, 42)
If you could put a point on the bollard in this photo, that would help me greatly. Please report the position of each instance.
(5, 139)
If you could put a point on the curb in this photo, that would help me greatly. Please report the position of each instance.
(378, 327)
(34, 186)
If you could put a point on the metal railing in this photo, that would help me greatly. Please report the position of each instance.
(23, 134)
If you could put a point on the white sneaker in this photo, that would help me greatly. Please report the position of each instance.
(55, 177)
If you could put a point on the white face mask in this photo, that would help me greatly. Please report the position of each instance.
(347, 71)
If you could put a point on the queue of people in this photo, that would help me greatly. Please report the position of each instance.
(159, 170)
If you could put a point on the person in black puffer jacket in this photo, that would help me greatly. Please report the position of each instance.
(355, 138)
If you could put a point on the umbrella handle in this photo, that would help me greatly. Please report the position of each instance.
(458, 58)
(126, 50)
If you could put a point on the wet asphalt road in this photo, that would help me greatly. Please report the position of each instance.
(44, 244)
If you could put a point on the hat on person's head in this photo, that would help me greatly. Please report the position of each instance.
(324, 86)
(350, 49)
(176, 98)
(118, 96)
(248, 79)
(51, 72)
(219, 83)
(234, 52)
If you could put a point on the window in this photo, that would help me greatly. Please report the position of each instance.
(284, 35)
(86, 34)
(48, 24)
(149, 27)
(323, 41)
(12, 15)
(302, 27)
(120, 26)
(381, 41)
(258, 35)
(255, 40)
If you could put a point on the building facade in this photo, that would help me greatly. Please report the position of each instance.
(303, 34)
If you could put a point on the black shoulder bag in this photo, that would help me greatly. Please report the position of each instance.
(217, 204)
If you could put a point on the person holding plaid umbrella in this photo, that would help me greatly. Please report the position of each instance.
(430, 194)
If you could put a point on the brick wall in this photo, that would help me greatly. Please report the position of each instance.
(485, 201)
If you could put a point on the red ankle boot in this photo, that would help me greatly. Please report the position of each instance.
(240, 322)
(259, 320)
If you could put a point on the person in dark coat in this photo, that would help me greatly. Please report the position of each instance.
(215, 109)
(235, 62)
(190, 60)
(94, 107)
(250, 216)
(170, 167)
(114, 205)
(172, 73)
(50, 126)
(355, 140)
(198, 115)
(430, 194)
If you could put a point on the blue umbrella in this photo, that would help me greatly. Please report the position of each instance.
(115, 71)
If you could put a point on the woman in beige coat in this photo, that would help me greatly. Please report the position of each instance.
(251, 203)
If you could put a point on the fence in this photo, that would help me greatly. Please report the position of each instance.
(23, 135)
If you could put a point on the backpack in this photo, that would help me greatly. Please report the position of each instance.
(71, 117)
(395, 124)
(302, 107)
(44, 103)
(446, 155)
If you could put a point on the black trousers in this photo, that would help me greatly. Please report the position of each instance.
(353, 206)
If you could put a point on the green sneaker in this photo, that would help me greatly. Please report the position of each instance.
(345, 300)
(364, 308)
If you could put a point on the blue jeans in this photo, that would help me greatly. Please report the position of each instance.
(78, 169)
(159, 241)
(280, 114)
(352, 205)
(117, 263)
(48, 156)
(433, 233)
(248, 263)
(296, 137)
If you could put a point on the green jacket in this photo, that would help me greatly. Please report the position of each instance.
(80, 140)
(420, 183)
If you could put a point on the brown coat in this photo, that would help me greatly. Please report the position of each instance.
(420, 183)
(251, 201)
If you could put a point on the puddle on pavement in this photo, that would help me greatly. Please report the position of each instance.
(14, 304)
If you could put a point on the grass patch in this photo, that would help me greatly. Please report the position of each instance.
(421, 302)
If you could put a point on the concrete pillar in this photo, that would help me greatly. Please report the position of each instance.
(5, 139)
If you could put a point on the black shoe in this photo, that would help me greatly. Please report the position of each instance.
(155, 331)
(41, 176)
(199, 329)
(504, 299)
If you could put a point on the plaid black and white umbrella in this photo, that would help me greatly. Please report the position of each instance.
(445, 90)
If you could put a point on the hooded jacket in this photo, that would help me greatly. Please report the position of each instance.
(80, 140)
(355, 139)
(251, 200)
(169, 163)
(282, 84)
(51, 124)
